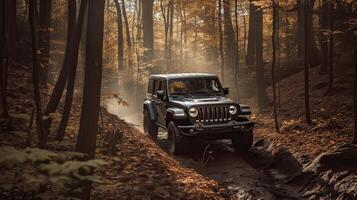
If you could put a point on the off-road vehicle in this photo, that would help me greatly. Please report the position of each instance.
(193, 107)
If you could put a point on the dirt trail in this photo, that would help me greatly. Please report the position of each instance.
(225, 166)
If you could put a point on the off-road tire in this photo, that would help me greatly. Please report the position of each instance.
(150, 128)
(242, 141)
(176, 139)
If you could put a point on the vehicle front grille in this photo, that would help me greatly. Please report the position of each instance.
(212, 114)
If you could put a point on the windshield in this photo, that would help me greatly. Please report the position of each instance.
(196, 85)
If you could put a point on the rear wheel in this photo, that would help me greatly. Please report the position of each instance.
(176, 139)
(150, 128)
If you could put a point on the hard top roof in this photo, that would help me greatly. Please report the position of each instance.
(183, 75)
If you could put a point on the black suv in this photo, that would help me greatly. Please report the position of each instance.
(193, 107)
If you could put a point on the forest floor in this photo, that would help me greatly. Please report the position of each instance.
(142, 169)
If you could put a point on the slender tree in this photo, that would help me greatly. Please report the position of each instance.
(120, 36)
(237, 48)
(128, 36)
(10, 17)
(3, 71)
(35, 74)
(148, 27)
(273, 37)
(250, 60)
(44, 39)
(331, 45)
(86, 142)
(258, 22)
(171, 26)
(221, 38)
(323, 20)
(307, 64)
(230, 43)
(354, 140)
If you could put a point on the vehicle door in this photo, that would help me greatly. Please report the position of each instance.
(161, 103)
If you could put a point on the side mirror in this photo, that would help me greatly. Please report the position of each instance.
(225, 91)
(160, 94)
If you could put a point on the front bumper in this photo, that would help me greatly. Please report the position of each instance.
(216, 131)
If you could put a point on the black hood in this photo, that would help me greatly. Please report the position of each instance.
(200, 100)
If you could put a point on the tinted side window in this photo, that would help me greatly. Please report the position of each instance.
(157, 86)
(150, 86)
(154, 85)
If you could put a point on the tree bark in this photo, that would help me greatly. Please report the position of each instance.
(331, 45)
(261, 95)
(307, 65)
(301, 27)
(273, 37)
(3, 71)
(229, 36)
(120, 37)
(128, 37)
(10, 17)
(250, 59)
(323, 20)
(44, 39)
(148, 28)
(237, 49)
(35, 75)
(71, 19)
(171, 17)
(86, 141)
(354, 140)
(166, 27)
(221, 39)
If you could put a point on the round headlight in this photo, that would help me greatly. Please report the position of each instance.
(232, 110)
(193, 112)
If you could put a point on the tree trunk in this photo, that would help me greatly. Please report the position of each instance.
(331, 45)
(237, 49)
(166, 27)
(323, 20)
(258, 22)
(3, 71)
(120, 37)
(229, 36)
(148, 28)
(307, 64)
(251, 36)
(221, 39)
(10, 17)
(301, 27)
(171, 17)
(35, 75)
(354, 140)
(67, 63)
(44, 39)
(71, 19)
(273, 37)
(86, 141)
(128, 37)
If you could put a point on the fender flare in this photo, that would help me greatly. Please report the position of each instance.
(150, 107)
(175, 113)
(244, 109)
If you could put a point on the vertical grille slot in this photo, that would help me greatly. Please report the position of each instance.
(217, 113)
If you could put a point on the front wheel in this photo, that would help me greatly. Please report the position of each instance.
(176, 139)
(150, 128)
(243, 141)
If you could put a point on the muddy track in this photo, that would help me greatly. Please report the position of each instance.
(243, 175)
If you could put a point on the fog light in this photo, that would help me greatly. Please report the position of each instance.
(192, 130)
